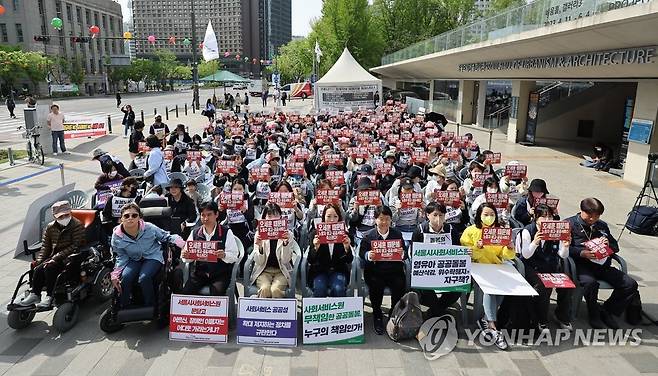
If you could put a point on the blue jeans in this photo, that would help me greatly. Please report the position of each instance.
(127, 129)
(143, 271)
(333, 283)
(58, 135)
(491, 304)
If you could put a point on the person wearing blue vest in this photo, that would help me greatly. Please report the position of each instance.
(217, 275)
(544, 256)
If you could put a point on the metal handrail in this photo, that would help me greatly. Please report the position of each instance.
(500, 110)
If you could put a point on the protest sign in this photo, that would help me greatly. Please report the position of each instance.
(498, 200)
(550, 202)
(295, 168)
(267, 322)
(335, 177)
(451, 153)
(103, 195)
(194, 156)
(331, 233)
(201, 250)
(516, 172)
(231, 200)
(599, 246)
(270, 229)
(332, 160)
(386, 250)
(383, 168)
(327, 196)
(260, 174)
(494, 158)
(302, 154)
(359, 152)
(420, 157)
(555, 230)
(440, 268)
(411, 200)
(496, 236)
(556, 281)
(225, 167)
(501, 279)
(198, 318)
(368, 197)
(333, 321)
(84, 127)
(478, 179)
(437, 239)
(448, 198)
(285, 200)
(142, 148)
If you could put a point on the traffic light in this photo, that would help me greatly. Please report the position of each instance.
(80, 39)
(41, 38)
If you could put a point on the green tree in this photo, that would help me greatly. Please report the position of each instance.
(76, 71)
(12, 64)
(206, 68)
(182, 72)
(295, 60)
(36, 67)
(497, 6)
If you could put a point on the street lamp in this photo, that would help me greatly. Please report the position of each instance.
(195, 69)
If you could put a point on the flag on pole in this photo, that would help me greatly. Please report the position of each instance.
(210, 47)
(318, 51)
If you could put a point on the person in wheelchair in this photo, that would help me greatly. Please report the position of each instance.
(217, 275)
(182, 206)
(62, 238)
(127, 194)
(139, 257)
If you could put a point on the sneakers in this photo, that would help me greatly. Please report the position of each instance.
(55, 154)
(483, 324)
(566, 325)
(30, 300)
(124, 136)
(543, 329)
(45, 302)
(67, 152)
(379, 325)
(499, 340)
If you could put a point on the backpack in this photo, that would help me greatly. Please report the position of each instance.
(643, 220)
(406, 318)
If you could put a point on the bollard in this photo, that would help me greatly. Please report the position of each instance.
(193, 109)
(176, 111)
(155, 111)
(185, 109)
(142, 112)
(61, 173)
(10, 154)
(109, 124)
(166, 112)
(458, 129)
(490, 137)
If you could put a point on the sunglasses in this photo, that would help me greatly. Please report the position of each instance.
(130, 215)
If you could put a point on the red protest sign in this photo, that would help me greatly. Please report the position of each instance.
(231, 200)
(494, 158)
(327, 196)
(285, 200)
(496, 236)
(462, 142)
(393, 138)
(194, 155)
(225, 167)
(550, 202)
(202, 250)
(386, 250)
(142, 148)
(516, 172)
(556, 280)
(420, 157)
(169, 155)
(432, 141)
(329, 233)
(411, 200)
(451, 153)
(368, 197)
(332, 160)
(260, 174)
(383, 168)
(335, 177)
(301, 154)
(270, 229)
(599, 246)
(407, 136)
(478, 179)
(498, 200)
(555, 230)
(359, 153)
(448, 198)
(374, 149)
(295, 168)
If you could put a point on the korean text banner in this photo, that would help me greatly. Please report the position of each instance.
(267, 322)
(333, 321)
(199, 318)
(440, 267)
(84, 127)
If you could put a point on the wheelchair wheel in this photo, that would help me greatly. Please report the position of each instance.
(103, 288)
(20, 319)
(66, 316)
(107, 324)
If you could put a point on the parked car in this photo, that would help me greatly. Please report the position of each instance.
(298, 90)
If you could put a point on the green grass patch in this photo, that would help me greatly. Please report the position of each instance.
(18, 154)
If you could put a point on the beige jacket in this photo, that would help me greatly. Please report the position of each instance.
(283, 254)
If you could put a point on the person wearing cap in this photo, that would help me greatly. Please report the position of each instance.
(381, 274)
(127, 194)
(182, 206)
(413, 175)
(180, 139)
(109, 162)
(474, 168)
(136, 136)
(436, 176)
(158, 128)
(515, 188)
(361, 218)
(524, 208)
(109, 179)
(63, 237)
(55, 122)
(405, 219)
(157, 171)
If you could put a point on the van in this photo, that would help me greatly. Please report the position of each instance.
(298, 90)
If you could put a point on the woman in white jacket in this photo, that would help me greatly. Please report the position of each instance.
(272, 260)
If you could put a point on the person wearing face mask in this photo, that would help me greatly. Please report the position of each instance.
(435, 227)
(486, 216)
(586, 226)
(104, 180)
(544, 256)
(181, 205)
(405, 219)
(436, 176)
(524, 209)
(361, 218)
(490, 186)
(127, 194)
(109, 161)
(63, 237)
(515, 188)
(474, 168)
(240, 221)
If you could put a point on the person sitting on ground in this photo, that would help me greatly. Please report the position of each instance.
(63, 237)
(586, 226)
(329, 264)
(272, 260)
(487, 216)
(215, 274)
(544, 256)
(381, 274)
(601, 159)
(139, 257)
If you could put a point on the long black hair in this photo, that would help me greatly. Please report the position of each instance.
(478, 215)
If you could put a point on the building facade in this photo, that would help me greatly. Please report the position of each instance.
(25, 19)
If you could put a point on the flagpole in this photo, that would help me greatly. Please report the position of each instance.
(195, 69)
(316, 71)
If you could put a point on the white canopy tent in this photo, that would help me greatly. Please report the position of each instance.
(347, 85)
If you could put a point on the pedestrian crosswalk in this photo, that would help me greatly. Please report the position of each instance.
(9, 131)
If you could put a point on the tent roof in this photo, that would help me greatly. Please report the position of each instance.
(347, 70)
(224, 76)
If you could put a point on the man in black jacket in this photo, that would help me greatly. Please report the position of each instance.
(586, 226)
(182, 206)
(435, 230)
(381, 274)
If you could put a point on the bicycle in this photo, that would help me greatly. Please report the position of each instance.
(34, 149)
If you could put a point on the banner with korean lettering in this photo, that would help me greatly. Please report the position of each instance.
(267, 322)
(496, 236)
(333, 321)
(78, 127)
(440, 268)
(555, 230)
(198, 318)
(368, 197)
(270, 229)
(387, 250)
(327, 196)
(331, 233)
(202, 250)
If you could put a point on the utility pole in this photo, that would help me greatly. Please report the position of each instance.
(195, 68)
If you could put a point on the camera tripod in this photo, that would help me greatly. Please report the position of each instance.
(647, 192)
